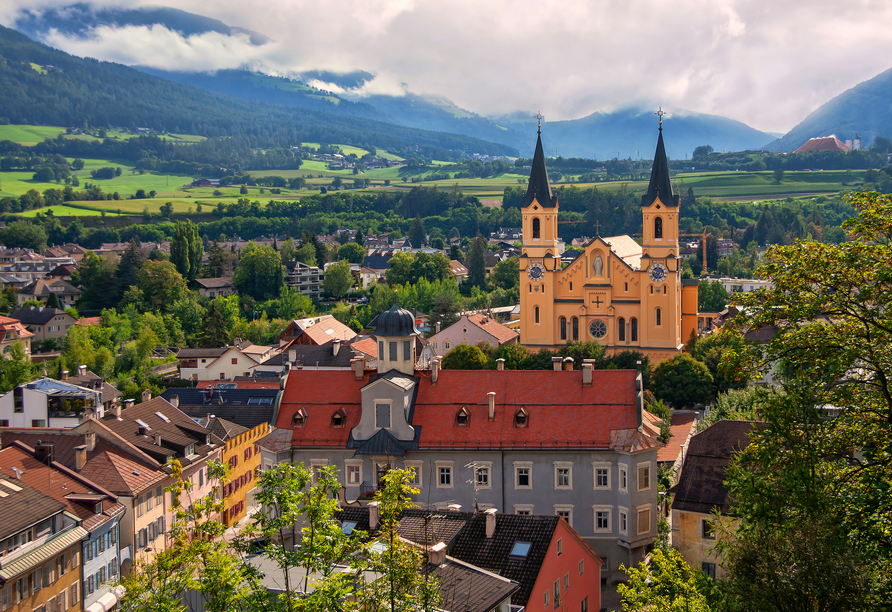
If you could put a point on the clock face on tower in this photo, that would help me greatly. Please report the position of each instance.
(536, 272)
(658, 272)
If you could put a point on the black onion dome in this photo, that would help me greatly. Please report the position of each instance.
(395, 322)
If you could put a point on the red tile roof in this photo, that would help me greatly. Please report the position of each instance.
(368, 347)
(7, 324)
(562, 412)
(681, 426)
(823, 143)
(493, 328)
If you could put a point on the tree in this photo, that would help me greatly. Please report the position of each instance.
(222, 316)
(400, 270)
(219, 262)
(243, 190)
(306, 254)
(516, 356)
(23, 234)
(702, 151)
(712, 296)
(506, 274)
(260, 272)
(352, 252)
(778, 175)
(287, 251)
(682, 382)
(53, 301)
(161, 284)
(834, 331)
(432, 268)
(338, 279)
(666, 583)
(16, 367)
(129, 266)
(465, 357)
(476, 263)
(186, 249)
(417, 235)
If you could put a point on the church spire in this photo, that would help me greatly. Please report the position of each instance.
(539, 187)
(660, 183)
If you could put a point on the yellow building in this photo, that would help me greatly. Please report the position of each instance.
(242, 456)
(625, 295)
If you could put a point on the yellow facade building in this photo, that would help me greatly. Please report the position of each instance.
(242, 456)
(625, 295)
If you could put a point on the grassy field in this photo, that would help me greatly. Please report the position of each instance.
(30, 135)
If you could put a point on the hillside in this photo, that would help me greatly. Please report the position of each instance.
(862, 109)
(79, 92)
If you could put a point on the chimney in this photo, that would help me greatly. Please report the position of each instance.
(586, 373)
(568, 363)
(492, 405)
(80, 457)
(90, 440)
(43, 451)
(336, 346)
(64, 375)
(500, 364)
(437, 327)
(437, 554)
(373, 515)
(292, 356)
(157, 438)
(435, 370)
(128, 403)
(556, 362)
(116, 408)
(81, 370)
(175, 401)
(146, 395)
(358, 365)
(490, 522)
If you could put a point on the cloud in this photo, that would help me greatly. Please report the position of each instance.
(763, 62)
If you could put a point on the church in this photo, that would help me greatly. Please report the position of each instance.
(619, 292)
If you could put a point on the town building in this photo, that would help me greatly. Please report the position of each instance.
(96, 508)
(472, 329)
(572, 443)
(701, 490)
(42, 289)
(241, 455)
(12, 331)
(45, 323)
(334, 355)
(47, 402)
(247, 407)
(304, 279)
(110, 396)
(619, 293)
(316, 331)
(215, 287)
(40, 550)
(223, 363)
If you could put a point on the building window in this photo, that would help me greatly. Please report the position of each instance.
(391, 349)
(560, 547)
(381, 350)
(602, 475)
(643, 520)
(536, 315)
(627, 287)
(463, 417)
(521, 417)
(581, 567)
(634, 330)
(584, 607)
(621, 329)
(565, 512)
(563, 475)
(38, 423)
(563, 325)
(481, 477)
(354, 474)
(658, 228)
(567, 581)
(546, 597)
(523, 509)
(407, 350)
(707, 529)
(623, 521)
(708, 569)
(445, 476)
(602, 518)
(382, 416)
(575, 329)
(659, 317)
(643, 476)
(523, 475)
(557, 593)
(536, 226)
(416, 467)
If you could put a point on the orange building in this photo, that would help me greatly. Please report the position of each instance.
(242, 455)
(625, 295)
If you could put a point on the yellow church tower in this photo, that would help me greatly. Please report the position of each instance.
(619, 292)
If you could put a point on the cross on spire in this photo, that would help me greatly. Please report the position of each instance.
(660, 114)
(540, 117)
(597, 228)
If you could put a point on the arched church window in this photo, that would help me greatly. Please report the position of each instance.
(536, 229)
(621, 325)
(575, 329)
(658, 227)
(563, 323)
(664, 289)
(634, 329)
(536, 310)
(659, 316)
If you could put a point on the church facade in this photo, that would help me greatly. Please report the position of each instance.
(625, 295)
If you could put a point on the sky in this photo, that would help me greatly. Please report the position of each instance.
(767, 63)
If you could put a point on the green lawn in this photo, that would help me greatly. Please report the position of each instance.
(65, 211)
(29, 134)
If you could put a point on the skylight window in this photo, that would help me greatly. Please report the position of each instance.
(162, 417)
(141, 423)
(521, 549)
(259, 401)
(348, 526)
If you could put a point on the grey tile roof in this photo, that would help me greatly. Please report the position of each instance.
(240, 406)
(309, 356)
(224, 429)
(466, 588)
(22, 506)
(38, 315)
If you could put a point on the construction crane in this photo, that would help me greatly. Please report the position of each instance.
(702, 244)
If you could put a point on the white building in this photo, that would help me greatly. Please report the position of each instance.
(47, 402)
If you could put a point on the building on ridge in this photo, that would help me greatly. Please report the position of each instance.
(619, 293)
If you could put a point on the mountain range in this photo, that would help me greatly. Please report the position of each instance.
(624, 132)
